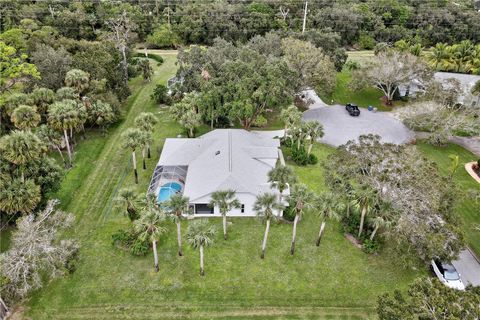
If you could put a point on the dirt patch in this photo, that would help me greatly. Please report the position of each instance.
(353, 240)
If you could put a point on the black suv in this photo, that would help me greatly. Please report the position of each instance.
(352, 110)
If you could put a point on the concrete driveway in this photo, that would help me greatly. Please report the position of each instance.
(468, 267)
(340, 127)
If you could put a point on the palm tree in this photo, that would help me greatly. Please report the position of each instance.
(365, 198)
(149, 226)
(329, 207)
(314, 131)
(384, 215)
(177, 206)
(77, 79)
(438, 55)
(19, 196)
(133, 138)
(25, 117)
(301, 199)
(462, 54)
(128, 198)
(20, 148)
(65, 116)
(226, 201)
(199, 235)
(145, 142)
(50, 138)
(264, 206)
(146, 121)
(42, 98)
(281, 177)
(291, 117)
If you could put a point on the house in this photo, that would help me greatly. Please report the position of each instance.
(219, 160)
(466, 82)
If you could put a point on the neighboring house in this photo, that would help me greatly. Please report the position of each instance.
(466, 81)
(221, 159)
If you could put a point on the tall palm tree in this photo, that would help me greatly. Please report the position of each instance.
(176, 207)
(146, 140)
(225, 201)
(291, 117)
(128, 198)
(146, 121)
(20, 148)
(65, 116)
(314, 131)
(281, 177)
(132, 139)
(25, 117)
(149, 226)
(329, 207)
(19, 196)
(301, 199)
(365, 199)
(264, 206)
(200, 234)
(77, 79)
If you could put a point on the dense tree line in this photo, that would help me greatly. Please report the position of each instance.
(355, 22)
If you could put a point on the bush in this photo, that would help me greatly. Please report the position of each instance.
(222, 122)
(163, 37)
(366, 42)
(300, 156)
(371, 246)
(351, 223)
(129, 240)
(438, 139)
(260, 121)
(160, 94)
(152, 56)
(289, 213)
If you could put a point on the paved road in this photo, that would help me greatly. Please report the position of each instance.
(468, 267)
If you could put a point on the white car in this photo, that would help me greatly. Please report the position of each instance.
(447, 274)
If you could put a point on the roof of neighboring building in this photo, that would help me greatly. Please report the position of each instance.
(223, 159)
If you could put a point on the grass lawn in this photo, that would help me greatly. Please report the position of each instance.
(335, 281)
(467, 210)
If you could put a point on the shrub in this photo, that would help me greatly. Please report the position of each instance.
(351, 222)
(366, 42)
(300, 156)
(129, 240)
(160, 94)
(222, 122)
(371, 246)
(163, 37)
(438, 139)
(289, 213)
(152, 56)
(260, 121)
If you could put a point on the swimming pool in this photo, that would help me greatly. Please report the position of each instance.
(167, 190)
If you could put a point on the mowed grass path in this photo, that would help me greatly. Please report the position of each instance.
(335, 281)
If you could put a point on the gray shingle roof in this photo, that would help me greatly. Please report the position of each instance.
(223, 159)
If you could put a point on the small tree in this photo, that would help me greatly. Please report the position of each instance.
(291, 117)
(144, 66)
(314, 130)
(25, 117)
(225, 201)
(149, 226)
(77, 79)
(301, 199)
(199, 235)
(176, 207)
(264, 206)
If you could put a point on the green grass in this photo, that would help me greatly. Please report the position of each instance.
(467, 209)
(363, 98)
(335, 281)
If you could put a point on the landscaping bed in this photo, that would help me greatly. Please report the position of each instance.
(473, 168)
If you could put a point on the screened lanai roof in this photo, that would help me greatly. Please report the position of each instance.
(165, 174)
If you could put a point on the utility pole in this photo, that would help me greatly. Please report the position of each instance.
(305, 17)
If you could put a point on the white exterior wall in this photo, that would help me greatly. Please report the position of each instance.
(244, 198)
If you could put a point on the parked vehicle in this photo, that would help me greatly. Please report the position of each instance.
(352, 110)
(447, 274)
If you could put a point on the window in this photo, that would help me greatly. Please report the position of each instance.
(203, 208)
(242, 210)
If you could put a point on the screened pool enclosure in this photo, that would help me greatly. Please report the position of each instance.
(167, 180)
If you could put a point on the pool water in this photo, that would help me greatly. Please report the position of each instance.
(167, 190)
